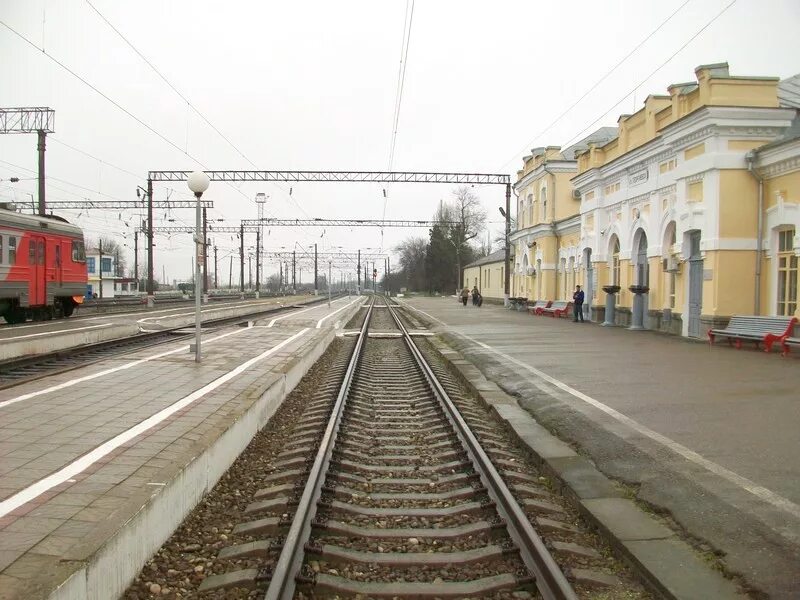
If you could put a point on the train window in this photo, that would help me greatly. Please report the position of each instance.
(78, 252)
(40, 252)
(12, 250)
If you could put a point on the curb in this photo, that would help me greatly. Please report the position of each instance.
(668, 566)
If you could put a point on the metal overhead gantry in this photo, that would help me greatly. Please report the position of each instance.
(341, 176)
(270, 222)
(349, 177)
(124, 204)
(39, 119)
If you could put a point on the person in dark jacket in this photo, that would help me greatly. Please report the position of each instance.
(577, 304)
(475, 296)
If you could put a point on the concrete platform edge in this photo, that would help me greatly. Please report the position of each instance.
(110, 570)
(668, 566)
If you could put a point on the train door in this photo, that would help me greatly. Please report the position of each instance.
(36, 262)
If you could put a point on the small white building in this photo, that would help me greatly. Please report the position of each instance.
(100, 272)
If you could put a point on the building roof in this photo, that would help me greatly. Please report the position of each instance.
(601, 136)
(789, 92)
(498, 256)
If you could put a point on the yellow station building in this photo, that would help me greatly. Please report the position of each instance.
(547, 257)
(696, 197)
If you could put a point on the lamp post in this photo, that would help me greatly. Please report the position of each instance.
(198, 183)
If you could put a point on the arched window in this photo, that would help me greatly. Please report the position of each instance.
(543, 196)
(615, 262)
(529, 210)
(787, 273)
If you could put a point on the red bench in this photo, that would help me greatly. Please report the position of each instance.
(537, 307)
(766, 330)
(559, 308)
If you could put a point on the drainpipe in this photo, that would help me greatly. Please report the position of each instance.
(750, 157)
(553, 226)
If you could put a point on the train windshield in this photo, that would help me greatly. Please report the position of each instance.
(78, 252)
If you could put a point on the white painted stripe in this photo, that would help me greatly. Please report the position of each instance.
(57, 332)
(99, 374)
(205, 310)
(297, 312)
(759, 491)
(81, 464)
(323, 319)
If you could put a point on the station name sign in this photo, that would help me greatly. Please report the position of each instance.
(638, 177)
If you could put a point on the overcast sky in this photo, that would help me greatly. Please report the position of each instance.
(312, 86)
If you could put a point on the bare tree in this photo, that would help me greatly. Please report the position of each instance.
(471, 219)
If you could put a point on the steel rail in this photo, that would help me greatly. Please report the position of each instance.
(290, 561)
(550, 580)
(121, 346)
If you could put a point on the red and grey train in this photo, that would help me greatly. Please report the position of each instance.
(42, 267)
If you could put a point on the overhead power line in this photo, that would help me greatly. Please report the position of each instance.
(654, 71)
(168, 82)
(596, 84)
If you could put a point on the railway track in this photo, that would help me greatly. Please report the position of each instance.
(398, 465)
(382, 476)
(17, 371)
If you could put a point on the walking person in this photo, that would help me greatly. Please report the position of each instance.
(475, 296)
(464, 295)
(577, 304)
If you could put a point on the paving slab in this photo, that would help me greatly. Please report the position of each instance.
(712, 510)
(133, 444)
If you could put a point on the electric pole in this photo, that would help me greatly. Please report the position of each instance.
(294, 272)
(100, 267)
(216, 268)
(150, 286)
(230, 272)
(315, 270)
(205, 253)
(136, 258)
(42, 134)
(241, 258)
(258, 259)
(358, 288)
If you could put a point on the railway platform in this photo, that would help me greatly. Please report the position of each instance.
(705, 435)
(100, 464)
(47, 336)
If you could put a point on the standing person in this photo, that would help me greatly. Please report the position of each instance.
(464, 295)
(577, 304)
(475, 295)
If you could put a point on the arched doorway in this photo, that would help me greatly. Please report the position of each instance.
(642, 266)
(641, 278)
(695, 304)
(525, 276)
(588, 284)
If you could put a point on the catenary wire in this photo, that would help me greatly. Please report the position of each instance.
(597, 83)
(654, 71)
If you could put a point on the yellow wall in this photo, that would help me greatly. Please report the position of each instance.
(788, 185)
(479, 274)
(738, 204)
(714, 87)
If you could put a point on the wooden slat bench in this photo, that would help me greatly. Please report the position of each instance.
(559, 308)
(766, 330)
(537, 307)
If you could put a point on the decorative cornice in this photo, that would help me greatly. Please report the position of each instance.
(780, 168)
(696, 177)
(666, 190)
